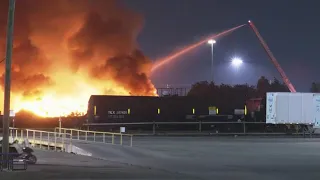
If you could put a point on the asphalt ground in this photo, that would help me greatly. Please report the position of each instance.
(60, 166)
(151, 157)
(219, 157)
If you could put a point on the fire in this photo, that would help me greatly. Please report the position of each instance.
(66, 51)
(49, 106)
(68, 96)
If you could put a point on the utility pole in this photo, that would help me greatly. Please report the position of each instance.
(6, 107)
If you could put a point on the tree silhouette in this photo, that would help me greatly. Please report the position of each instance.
(204, 89)
(277, 86)
(225, 96)
(262, 86)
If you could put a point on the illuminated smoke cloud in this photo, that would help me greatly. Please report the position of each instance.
(129, 71)
(110, 44)
(75, 36)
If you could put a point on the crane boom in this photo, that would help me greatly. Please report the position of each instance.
(273, 59)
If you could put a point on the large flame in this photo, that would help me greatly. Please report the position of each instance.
(66, 50)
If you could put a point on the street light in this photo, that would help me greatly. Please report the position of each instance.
(236, 62)
(212, 42)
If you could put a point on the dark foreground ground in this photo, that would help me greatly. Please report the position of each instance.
(48, 172)
(185, 158)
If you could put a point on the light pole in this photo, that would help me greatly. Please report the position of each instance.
(6, 106)
(212, 42)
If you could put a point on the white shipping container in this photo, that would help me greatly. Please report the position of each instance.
(290, 108)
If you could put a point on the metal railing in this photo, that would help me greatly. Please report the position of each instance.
(44, 139)
(97, 136)
(212, 127)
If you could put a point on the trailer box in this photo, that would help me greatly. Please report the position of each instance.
(291, 108)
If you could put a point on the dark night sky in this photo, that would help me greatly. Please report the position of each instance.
(290, 27)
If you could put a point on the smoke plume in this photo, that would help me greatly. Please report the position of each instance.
(60, 46)
(127, 70)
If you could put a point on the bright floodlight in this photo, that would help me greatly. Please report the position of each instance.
(236, 62)
(249, 21)
(211, 41)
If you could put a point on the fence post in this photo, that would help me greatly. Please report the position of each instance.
(16, 133)
(55, 141)
(27, 134)
(200, 124)
(86, 135)
(244, 127)
(120, 139)
(63, 136)
(131, 140)
(104, 138)
(21, 134)
(34, 137)
(40, 139)
(154, 128)
(94, 137)
(70, 145)
(78, 135)
(48, 141)
(112, 138)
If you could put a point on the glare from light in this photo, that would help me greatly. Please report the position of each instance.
(249, 21)
(212, 41)
(236, 62)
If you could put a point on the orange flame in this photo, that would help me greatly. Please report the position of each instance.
(66, 51)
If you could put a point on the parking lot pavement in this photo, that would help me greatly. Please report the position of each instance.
(247, 158)
(184, 158)
(59, 165)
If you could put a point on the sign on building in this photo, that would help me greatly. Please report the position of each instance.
(213, 110)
